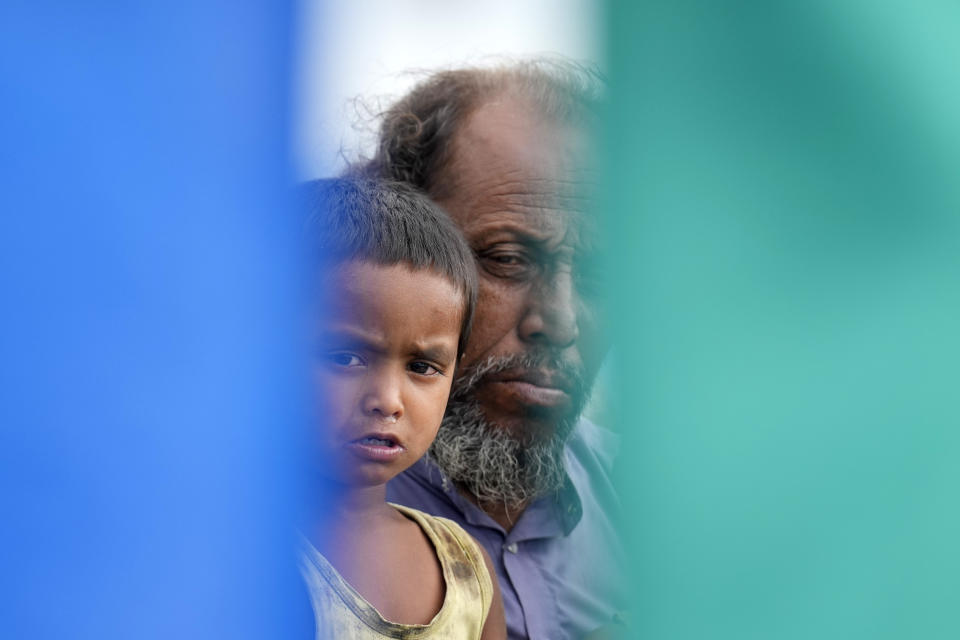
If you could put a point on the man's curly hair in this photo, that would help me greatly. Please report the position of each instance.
(417, 132)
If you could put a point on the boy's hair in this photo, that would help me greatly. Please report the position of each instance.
(389, 223)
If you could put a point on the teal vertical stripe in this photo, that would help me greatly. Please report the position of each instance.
(783, 183)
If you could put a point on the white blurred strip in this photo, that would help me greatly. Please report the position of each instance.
(367, 49)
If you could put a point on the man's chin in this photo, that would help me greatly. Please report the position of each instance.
(530, 427)
(506, 425)
(502, 459)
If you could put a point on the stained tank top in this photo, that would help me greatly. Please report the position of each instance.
(343, 613)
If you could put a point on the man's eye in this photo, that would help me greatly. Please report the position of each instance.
(506, 264)
(424, 368)
(507, 258)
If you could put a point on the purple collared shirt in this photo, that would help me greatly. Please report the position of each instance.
(559, 565)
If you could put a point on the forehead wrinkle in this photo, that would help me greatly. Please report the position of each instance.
(524, 197)
(559, 198)
(537, 223)
(521, 213)
(521, 180)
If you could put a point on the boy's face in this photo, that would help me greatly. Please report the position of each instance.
(385, 355)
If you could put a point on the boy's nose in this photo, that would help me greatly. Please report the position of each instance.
(383, 400)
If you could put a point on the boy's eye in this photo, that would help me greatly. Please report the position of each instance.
(424, 368)
(343, 359)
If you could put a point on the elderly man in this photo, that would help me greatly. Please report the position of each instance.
(504, 152)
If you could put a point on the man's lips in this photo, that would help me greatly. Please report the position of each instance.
(544, 378)
(534, 387)
(376, 446)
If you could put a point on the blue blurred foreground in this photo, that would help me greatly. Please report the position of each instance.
(149, 394)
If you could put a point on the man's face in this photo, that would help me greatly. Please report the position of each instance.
(518, 194)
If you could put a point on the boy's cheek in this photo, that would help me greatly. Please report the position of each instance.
(439, 403)
(332, 401)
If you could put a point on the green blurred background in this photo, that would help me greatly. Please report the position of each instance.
(784, 189)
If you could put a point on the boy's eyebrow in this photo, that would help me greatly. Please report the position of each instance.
(436, 352)
(351, 338)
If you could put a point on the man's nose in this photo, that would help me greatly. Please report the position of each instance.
(551, 315)
(383, 396)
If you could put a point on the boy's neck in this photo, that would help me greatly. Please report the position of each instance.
(346, 507)
(355, 503)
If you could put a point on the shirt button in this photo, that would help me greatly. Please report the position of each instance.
(512, 547)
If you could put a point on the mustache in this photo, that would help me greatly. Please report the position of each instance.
(469, 378)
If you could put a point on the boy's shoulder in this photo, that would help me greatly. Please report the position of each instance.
(451, 542)
(436, 525)
(456, 549)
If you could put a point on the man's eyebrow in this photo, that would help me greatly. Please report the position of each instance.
(519, 233)
(572, 242)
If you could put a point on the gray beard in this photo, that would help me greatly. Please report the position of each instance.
(501, 468)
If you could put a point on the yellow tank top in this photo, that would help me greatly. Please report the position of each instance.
(342, 613)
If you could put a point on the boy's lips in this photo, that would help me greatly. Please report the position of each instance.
(376, 446)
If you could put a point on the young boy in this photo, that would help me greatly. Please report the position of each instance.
(398, 285)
